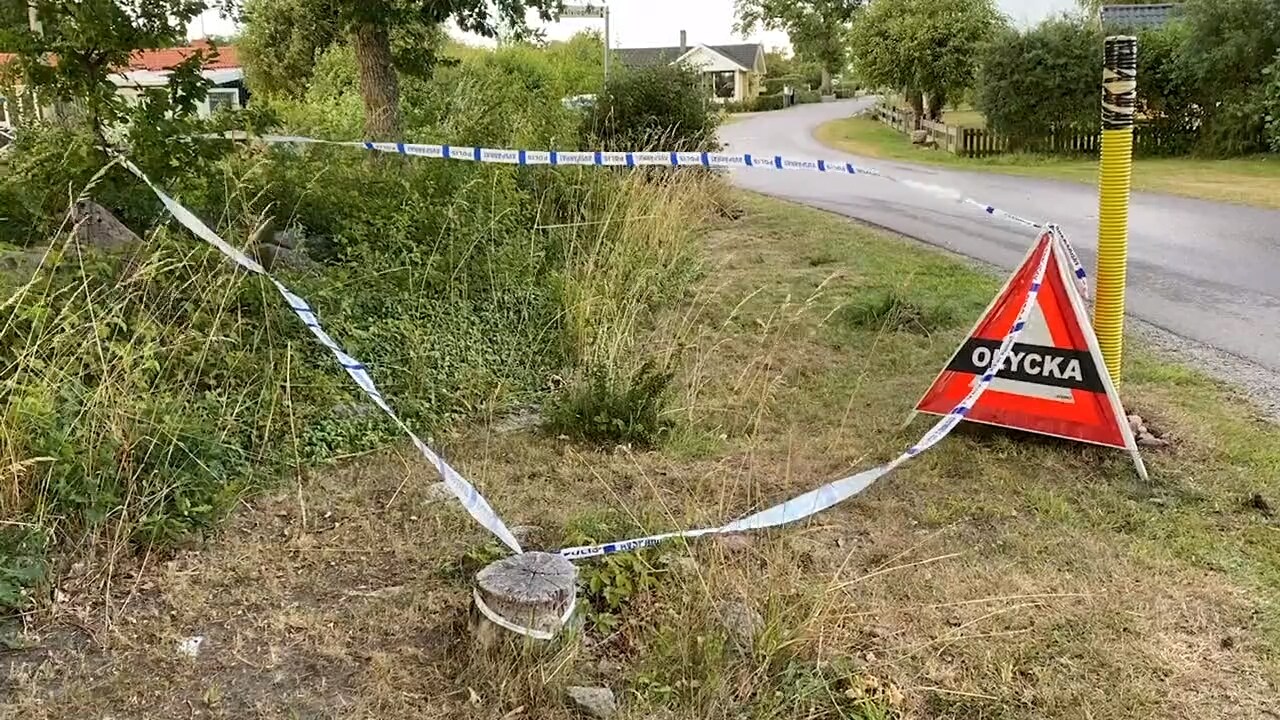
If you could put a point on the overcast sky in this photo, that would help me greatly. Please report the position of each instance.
(646, 23)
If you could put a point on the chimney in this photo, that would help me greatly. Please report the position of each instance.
(684, 42)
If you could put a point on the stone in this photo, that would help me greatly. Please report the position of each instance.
(1151, 441)
(1259, 503)
(95, 226)
(735, 543)
(527, 535)
(594, 702)
(436, 492)
(919, 137)
(742, 622)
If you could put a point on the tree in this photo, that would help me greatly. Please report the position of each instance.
(1229, 46)
(818, 28)
(929, 48)
(1034, 82)
(373, 28)
(90, 40)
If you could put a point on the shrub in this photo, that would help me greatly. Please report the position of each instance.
(1271, 101)
(808, 96)
(660, 107)
(768, 102)
(608, 407)
(1033, 82)
(895, 311)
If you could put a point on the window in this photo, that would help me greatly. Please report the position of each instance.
(722, 84)
(220, 98)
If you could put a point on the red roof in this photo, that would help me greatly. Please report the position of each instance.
(166, 58)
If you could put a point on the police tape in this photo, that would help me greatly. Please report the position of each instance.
(471, 499)
(833, 493)
(785, 513)
(664, 158)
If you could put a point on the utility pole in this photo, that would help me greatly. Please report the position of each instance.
(606, 43)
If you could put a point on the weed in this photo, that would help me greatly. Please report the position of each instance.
(602, 407)
(895, 311)
(22, 565)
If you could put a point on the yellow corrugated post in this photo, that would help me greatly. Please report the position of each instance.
(1115, 176)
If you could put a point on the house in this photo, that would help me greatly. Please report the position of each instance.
(733, 73)
(150, 68)
(1137, 17)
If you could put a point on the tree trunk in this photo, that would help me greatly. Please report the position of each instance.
(916, 99)
(826, 81)
(379, 84)
(937, 103)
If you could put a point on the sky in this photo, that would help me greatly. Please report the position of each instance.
(650, 23)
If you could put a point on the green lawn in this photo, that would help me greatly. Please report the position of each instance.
(1248, 181)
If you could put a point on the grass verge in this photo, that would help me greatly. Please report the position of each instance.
(1248, 181)
(997, 576)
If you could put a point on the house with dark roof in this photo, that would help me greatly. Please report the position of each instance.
(733, 73)
(1137, 17)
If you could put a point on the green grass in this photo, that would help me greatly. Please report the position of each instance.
(1248, 181)
(999, 575)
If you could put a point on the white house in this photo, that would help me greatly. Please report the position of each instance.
(733, 72)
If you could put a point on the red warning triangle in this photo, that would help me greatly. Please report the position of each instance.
(1053, 382)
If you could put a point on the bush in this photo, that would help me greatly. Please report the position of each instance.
(663, 107)
(1271, 102)
(808, 96)
(768, 102)
(604, 406)
(1032, 83)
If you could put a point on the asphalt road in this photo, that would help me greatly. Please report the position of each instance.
(1206, 273)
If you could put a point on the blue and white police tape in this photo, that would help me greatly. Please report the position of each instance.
(1077, 268)
(714, 160)
(836, 492)
(471, 499)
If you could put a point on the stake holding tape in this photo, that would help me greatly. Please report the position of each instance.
(1115, 179)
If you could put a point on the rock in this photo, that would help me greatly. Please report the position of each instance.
(95, 226)
(684, 568)
(607, 668)
(742, 622)
(595, 702)
(919, 137)
(437, 492)
(527, 535)
(190, 646)
(1135, 424)
(733, 543)
(522, 419)
(277, 257)
(1148, 440)
(1259, 503)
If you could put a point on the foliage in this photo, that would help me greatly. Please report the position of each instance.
(611, 583)
(1167, 100)
(817, 28)
(1229, 45)
(91, 39)
(613, 406)
(657, 107)
(931, 47)
(1271, 98)
(785, 70)
(22, 566)
(1032, 83)
(895, 310)
(373, 27)
(284, 39)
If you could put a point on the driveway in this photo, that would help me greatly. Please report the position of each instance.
(1206, 273)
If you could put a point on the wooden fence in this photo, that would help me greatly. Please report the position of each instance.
(980, 142)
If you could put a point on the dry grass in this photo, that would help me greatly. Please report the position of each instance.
(995, 577)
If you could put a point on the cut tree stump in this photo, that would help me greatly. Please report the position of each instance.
(531, 593)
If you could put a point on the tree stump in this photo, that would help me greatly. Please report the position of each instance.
(522, 598)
